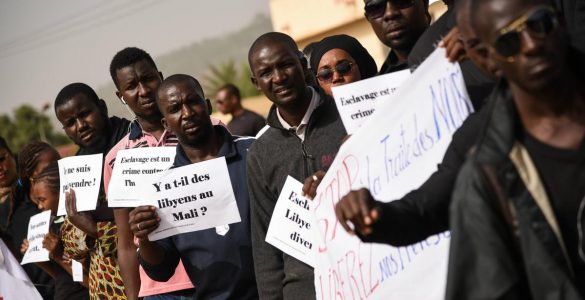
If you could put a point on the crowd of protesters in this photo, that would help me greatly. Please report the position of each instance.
(510, 187)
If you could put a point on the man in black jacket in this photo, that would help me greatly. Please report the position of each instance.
(304, 134)
(517, 209)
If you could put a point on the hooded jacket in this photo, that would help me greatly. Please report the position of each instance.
(506, 241)
(276, 154)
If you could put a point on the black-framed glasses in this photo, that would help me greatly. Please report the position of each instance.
(376, 8)
(342, 68)
(538, 22)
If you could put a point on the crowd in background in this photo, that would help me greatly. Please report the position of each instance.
(510, 188)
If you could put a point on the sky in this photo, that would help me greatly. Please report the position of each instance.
(45, 45)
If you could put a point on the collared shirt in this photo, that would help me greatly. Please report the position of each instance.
(300, 130)
(392, 64)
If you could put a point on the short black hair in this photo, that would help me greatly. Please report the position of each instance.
(126, 57)
(74, 89)
(232, 89)
(4, 145)
(176, 78)
(271, 37)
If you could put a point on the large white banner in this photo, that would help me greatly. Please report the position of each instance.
(193, 197)
(83, 174)
(394, 152)
(357, 101)
(134, 170)
(14, 283)
(38, 227)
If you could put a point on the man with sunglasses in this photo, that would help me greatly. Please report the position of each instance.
(516, 216)
(398, 25)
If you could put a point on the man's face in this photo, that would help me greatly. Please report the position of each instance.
(7, 169)
(540, 59)
(277, 72)
(186, 112)
(398, 28)
(84, 122)
(137, 84)
(225, 102)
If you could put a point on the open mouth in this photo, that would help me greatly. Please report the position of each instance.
(190, 128)
(87, 136)
(283, 91)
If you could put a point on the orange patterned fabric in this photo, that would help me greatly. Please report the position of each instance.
(105, 281)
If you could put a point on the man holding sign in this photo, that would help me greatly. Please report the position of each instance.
(229, 272)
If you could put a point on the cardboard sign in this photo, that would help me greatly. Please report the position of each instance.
(290, 225)
(133, 170)
(356, 101)
(394, 152)
(84, 175)
(193, 197)
(38, 227)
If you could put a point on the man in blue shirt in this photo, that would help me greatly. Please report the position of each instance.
(218, 261)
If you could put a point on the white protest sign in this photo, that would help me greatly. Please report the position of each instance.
(83, 174)
(38, 227)
(356, 101)
(14, 283)
(193, 197)
(394, 152)
(133, 170)
(290, 225)
(77, 270)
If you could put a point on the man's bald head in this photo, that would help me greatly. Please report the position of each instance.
(271, 38)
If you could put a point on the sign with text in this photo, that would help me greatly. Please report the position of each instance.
(84, 175)
(394, 152)
(135, 168)
(38, 227)
(290, 225)
(14, 283)
(193, 197)
(356, 101)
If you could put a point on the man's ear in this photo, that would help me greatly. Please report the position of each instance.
(255, 83)
(103, 107)
(209, 108)
(164, 124)
(161, 76)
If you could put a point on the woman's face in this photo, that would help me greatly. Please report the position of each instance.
(336, 67)
(45, 197)
(8, 173)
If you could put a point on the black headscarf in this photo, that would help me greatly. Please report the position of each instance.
(364, 60)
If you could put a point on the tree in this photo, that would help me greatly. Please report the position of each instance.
(29, 125)
(228, 72)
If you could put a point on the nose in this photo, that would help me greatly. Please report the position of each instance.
(143, 89)
(186, 111)
(337, 77)
(278, 76)
(530, 44)
(80, 123)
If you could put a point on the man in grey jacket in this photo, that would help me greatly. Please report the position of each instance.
(304, 134)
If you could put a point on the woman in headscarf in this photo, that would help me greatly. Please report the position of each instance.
(341, 59)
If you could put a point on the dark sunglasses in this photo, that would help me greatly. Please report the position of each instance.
(538, 23)
(342, 68)
(376, 9)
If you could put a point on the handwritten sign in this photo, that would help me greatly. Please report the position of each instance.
(133, 170)
(193, 197)
(84, 175)
(38, 227)
(356, 101)
(394, 151)
(77, 271)
(290, 225)
(14, 283)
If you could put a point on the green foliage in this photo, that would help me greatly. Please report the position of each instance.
(227, 72)
(27, 125)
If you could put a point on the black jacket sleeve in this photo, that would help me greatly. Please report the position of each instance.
(424, 211)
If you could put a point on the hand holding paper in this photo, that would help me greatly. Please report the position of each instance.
(52, 243)
(359, 208)
(311, 184)
(143, 220)
(81, 220)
